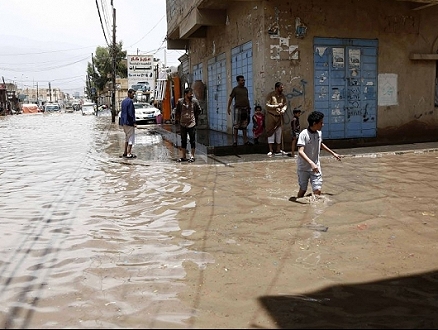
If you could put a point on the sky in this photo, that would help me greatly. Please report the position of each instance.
(52, 41)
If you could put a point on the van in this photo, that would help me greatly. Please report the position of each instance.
(89, 108)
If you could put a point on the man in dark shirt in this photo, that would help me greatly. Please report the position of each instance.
(186, 114)
(127, 121)
(242, 109)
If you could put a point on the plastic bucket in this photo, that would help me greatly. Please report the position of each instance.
(159, 118)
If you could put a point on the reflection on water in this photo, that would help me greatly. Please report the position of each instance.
(88, 242)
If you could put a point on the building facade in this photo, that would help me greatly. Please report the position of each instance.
(369, 65)
(42, 95)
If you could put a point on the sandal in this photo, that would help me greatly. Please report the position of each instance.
(191, 160)
(180, 160)
(130, 156)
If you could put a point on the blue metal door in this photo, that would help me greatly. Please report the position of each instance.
(217, 93)
(241, 64)
(197, 72)
(345, 86)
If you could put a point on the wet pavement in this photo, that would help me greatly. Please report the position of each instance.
(92, 240)
(213, 146)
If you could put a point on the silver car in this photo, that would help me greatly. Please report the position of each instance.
(52, 107)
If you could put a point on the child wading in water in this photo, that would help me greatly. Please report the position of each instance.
(309, 147)
(258, 120)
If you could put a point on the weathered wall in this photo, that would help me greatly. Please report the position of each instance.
(399, 30)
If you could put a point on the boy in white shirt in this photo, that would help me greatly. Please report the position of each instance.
(309, 147)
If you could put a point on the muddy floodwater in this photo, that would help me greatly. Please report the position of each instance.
(89, 240)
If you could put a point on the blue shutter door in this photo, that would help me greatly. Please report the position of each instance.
(345, 86)
(241, 64)
(217, 93)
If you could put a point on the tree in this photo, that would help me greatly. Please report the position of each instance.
(100, 70)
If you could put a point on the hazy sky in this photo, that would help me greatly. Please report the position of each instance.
(52, 41)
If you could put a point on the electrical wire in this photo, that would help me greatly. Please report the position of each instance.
(101, 23)
(149, 31)
(47, 52)
(46, 68)
(105, 16)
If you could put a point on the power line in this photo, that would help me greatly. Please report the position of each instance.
(46, 68)
(101, 23)
(148, 32)
(47, 52)
(105, 16)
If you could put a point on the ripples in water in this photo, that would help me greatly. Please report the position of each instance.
(98, 237)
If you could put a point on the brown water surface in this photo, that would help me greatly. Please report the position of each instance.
(90, 240)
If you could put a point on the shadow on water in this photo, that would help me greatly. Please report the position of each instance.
(409, 302)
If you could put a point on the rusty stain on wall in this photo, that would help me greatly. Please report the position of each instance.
(399, 24)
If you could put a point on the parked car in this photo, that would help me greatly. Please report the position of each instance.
(146, 85)
(52, 107)
(88, 108)
(143, 86)
(144, 113)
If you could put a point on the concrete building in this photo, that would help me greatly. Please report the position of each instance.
(42, 95)
(369, 65)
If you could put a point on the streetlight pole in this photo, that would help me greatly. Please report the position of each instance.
(113, 96)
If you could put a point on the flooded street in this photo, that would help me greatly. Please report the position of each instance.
(90, 240)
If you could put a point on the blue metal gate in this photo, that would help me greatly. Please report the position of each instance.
(345, 86)
(217, 93)
(241, 64)
(197, 72)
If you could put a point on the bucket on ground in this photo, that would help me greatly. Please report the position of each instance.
(159, 118)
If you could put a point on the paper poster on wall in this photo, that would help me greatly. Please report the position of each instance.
(338, 57)
(294, 53)
(387, 89)
(354, 58)
(321, 50)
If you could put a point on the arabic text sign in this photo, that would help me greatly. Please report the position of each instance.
(141, 69)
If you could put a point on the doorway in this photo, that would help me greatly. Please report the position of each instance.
(241, 64)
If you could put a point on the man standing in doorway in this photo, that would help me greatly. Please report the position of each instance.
(127, 121)
(276, 106)
(187, 113)
(242, 109)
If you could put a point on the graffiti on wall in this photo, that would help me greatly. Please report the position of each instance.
(284, 51)
(387, 94)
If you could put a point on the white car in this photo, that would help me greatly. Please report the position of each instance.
(144, 113)
(52, 107)
(89, 108)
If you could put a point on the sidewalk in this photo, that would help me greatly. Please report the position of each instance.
(217, 146)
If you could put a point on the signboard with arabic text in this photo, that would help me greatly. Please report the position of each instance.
(141, 70)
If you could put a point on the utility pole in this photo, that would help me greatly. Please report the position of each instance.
(113, 100)
(50, 92)
(95, 97)
(38, 97)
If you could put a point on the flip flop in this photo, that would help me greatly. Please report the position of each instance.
(130, 156)
(180, 160)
